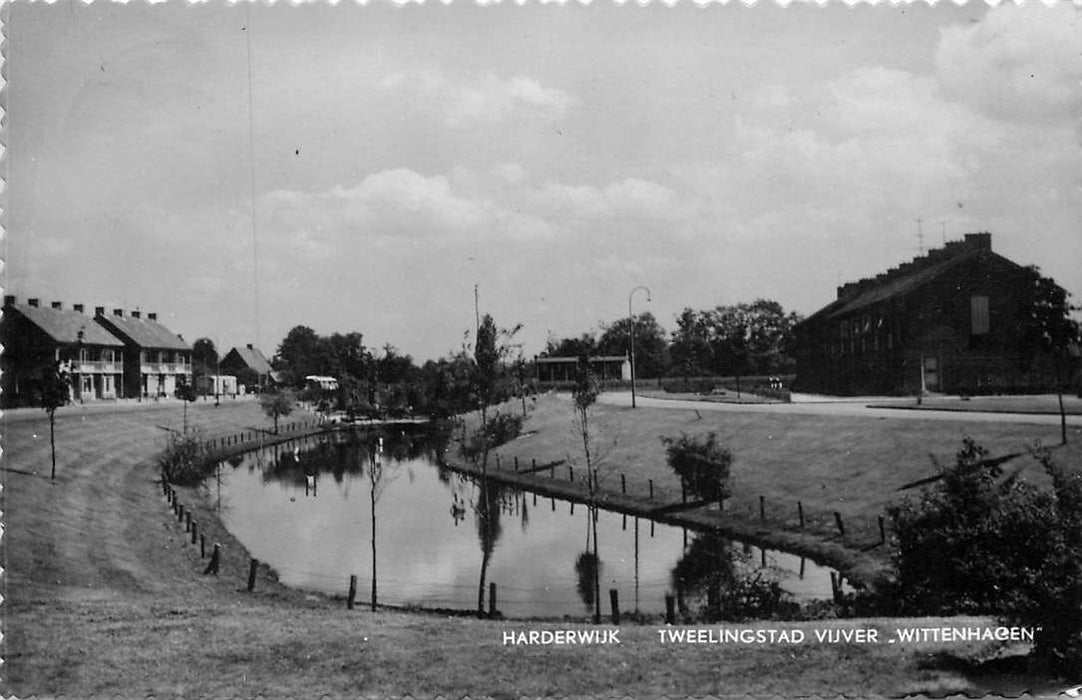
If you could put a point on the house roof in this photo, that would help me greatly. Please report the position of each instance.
(901, 280)
(144, 332)
(252, 358)
(63, 325)
(593, 358)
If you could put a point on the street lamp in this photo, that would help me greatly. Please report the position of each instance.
(631, 323)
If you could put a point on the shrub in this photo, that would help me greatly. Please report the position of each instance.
(702, 463)
(501, 428)
(978, 543)
(185, 460)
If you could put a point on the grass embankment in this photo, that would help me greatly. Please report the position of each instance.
(850, 465)
(104, 596)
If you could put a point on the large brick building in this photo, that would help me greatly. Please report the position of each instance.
(950, 321)
(37, 337)
(156, 360)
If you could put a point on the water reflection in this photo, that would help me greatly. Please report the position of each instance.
(408, 531)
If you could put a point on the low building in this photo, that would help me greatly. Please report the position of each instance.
(156, 360)
(550, 370)
(321, 383)
(249, 366)
(950, 321)
(37, 338)
(217, 385)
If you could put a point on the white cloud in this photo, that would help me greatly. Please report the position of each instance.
(1017, 63)
(485, 99)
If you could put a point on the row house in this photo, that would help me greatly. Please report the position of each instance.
(37, 338)
(156, 360)
(249, 365)
(949, 321)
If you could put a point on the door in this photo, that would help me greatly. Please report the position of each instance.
(930, 372)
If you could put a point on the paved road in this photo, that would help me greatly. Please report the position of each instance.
(838, 408)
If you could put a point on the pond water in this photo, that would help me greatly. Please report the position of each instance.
(305, 509)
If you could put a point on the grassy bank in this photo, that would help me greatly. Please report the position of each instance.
(853, 466)
(104, 596)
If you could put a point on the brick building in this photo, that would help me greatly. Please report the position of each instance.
(156, 360)
(950, 321)
(35, 338)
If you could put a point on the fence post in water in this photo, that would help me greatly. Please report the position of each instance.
(838, 522)
(670, 609)
(251, 574)
(215, 561)
(800, 513)
(352, 591)
(492, 601)
(882, 531)
(614, 602)
(762, 508)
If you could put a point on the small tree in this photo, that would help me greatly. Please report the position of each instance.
(184, 460)
(978, 543)
(702, 463)
(55, 392)
(276, 404)
(585, 394)
(186, 393)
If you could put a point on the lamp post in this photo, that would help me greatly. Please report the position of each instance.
(631, 324)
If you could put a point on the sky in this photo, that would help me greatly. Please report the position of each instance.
(243, 169)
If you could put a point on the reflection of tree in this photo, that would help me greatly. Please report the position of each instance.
(487, 516)
(710, 567)
(378, 478)
(587, 575)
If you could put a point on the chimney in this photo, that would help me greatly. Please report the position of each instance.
(9, 300)
(979, 241)
(32, 302)
(78, 307)
(153, 316)
(99, 310)
(118, 312)
(136, 314)
(57, 305)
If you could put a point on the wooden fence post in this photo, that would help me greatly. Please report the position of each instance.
(838, 522)
(180, 514)
(614, 603)
(516, 463)
(800, 513)
(251, 574)
(215, 561)
(651, 489)
(202, 547)
(188, 521)
(492, 601)
(352, 591)
(762, 508)
(570, 473)
(194, 527)
(670, 609)
(623, 483)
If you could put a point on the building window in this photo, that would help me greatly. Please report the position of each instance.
(978, 307)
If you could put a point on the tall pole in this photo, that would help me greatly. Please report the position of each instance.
(631, 325)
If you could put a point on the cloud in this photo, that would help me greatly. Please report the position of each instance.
(1017, 63)
(486, 99)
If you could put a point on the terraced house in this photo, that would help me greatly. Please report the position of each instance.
(953, 320)
(36, 338)
(156, 360)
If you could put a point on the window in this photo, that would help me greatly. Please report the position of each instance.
(978, 309)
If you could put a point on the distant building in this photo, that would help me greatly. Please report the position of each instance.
(156, 360)
(562, 369)
(217, 385)
(949, 321)
(314, 381)
(35, 338)
(248, 365)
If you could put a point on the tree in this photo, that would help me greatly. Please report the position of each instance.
(585, 396)
(186, 393)
(204, 359)
(978, 543)
(586, 344)
(703, 464)
(276, 404)
(1050, 331)
(302, 353)
(55, 392)
(651, 346)
(737, 340)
